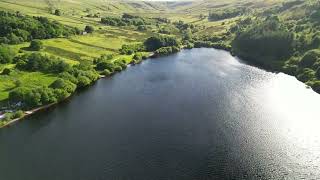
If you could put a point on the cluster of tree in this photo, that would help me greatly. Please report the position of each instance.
(306, 68)
(209, 44)
(141, 23)
(168, 29)
(132, 48)
(105, 64)
(155, 42)
(80, 75)
(96, 15)
(35, 97)
(76, 77)
(164, 51)
(39, 62)
(125, 20)
(11, 116)
(225, 14)
(183, 26)
(283, 7)
(6, 54)
(16, 28)
(264, 40)
(139, 56)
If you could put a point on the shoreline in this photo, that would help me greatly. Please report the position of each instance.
(44, 107)
(28, 113)
(132, 63)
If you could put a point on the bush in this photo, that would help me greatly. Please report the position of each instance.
(131, 48)
(7, 117)
(106, 72)
(105, 65)
(309, 58)
(306, 75)
(189, 45)
(6, 71)
(316, 86)
(69, 77)
(118, 68)
(36, 45)
(17, 114)
(89, 29)
(57, 12)
(83, 81)
(166, 51)
(121, 63)
(138, 56)
(6, 54)
(64, 84)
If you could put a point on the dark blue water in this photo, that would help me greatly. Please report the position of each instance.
(197, 115)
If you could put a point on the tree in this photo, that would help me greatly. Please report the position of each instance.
(36, 45)
(57, 12)
(89, 29)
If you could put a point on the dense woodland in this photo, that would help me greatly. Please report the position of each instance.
(17, 28)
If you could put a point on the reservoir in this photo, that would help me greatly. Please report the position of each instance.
(200, 114)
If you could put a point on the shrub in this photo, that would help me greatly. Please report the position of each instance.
(166, 51)
(69, 77)
(137, 56)
(17, 114)
(6, 71)
(36, 45)
(106, 72)
(131, 48)
(7, 117)
(105, 65)
(318, 73)
(189, 45)
(64, 84)
(316, 86)
(83, 81)
(6, 54)
(309, 58)
(57, 12)
(118, 68)
(89, 29)
(306, 75)
(121, 63)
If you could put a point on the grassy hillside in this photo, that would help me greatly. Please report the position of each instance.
(107, 39)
